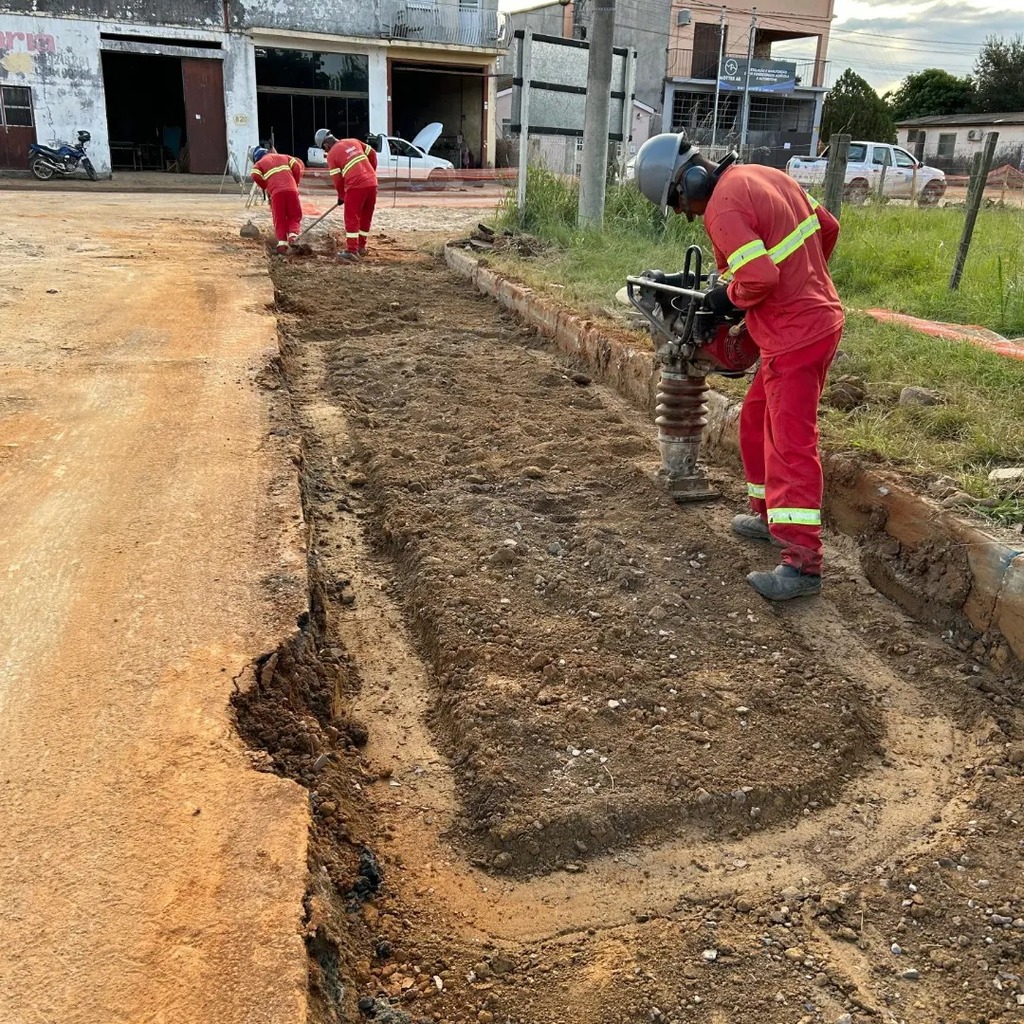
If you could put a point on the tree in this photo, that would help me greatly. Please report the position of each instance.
(852, 106)
(999, 75)
(934, 91)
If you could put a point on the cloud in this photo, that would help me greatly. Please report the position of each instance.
(884, 42)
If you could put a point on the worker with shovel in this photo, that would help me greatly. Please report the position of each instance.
(279, 175)
(353, 169)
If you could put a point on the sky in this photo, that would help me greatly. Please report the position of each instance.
(884, 41)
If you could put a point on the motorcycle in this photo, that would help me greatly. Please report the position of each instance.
(44, 162)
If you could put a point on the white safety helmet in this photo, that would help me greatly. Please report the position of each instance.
(660, 165)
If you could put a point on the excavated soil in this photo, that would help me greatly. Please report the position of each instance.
(564, 765)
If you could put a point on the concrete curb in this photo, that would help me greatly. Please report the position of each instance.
(939, 567)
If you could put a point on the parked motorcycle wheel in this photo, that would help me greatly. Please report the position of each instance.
(89, 169)
(41, 169)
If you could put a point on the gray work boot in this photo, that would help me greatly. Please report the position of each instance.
(751, 527)
(784, 583)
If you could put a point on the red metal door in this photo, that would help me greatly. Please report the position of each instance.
(205, 125)
(17, 128)
(14, 143)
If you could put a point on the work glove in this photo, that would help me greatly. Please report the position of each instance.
(718, 301)
(341, 202)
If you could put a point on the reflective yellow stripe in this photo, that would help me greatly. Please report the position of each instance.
(335, 170)
(801, 516)
(794, 239)
(355, 160)
(367, 150)
(351, 234)
(755, 490)
(275, 170)
(777, 253)
(745, 253)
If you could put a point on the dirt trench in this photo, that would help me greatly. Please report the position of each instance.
(563, 766)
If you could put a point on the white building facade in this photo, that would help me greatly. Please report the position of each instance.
(193, 86)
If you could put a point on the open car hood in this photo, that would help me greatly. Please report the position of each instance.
(428, 136)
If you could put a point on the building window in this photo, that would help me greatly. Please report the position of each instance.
(947, 146)
(299, 91)
(16, 107)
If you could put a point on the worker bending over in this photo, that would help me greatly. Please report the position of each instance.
(772, 243)
(353, 169)
(279, 175)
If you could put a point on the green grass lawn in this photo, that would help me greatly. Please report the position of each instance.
(894, 257)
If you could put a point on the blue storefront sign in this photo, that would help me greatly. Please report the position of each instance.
(765, 75)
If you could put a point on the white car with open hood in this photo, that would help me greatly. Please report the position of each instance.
(399, 160)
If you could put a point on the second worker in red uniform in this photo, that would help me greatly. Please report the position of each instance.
(352, 166)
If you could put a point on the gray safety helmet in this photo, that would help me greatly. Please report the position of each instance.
(322, 136)
(659, 166)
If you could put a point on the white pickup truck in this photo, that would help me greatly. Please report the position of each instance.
(399, 160)
(905, 177)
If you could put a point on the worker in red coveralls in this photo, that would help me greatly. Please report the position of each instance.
(353, 169)
(772, 244)
(279, 176)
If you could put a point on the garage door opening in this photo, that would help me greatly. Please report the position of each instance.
(165, 113)
(455, 96)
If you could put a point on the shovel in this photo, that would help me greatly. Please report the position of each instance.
(306, 231)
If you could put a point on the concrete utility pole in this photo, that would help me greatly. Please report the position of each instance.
(594, 168)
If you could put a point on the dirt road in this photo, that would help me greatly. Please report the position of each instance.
(151, 550)
(601, 782)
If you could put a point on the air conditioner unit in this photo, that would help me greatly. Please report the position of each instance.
(683, 17)
(975, 135)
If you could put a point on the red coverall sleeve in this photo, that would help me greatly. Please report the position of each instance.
(257, 176)
(337, 178)
(829, 230)
(371, 154)
(296, 166)
(753, 274)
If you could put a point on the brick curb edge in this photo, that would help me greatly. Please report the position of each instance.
(940, 568)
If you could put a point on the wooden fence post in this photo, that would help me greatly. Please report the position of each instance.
(835, 173)
(975, 191)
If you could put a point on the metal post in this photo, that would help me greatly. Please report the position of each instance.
(627, 112)
(975, 190)
(718, 77)
(595, 116)
(881, 183)
(746, 80)
(524, 119)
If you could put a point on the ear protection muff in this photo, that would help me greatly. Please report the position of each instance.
(696, 183)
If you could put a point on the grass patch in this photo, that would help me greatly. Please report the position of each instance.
(888, 256)
(901, 258)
